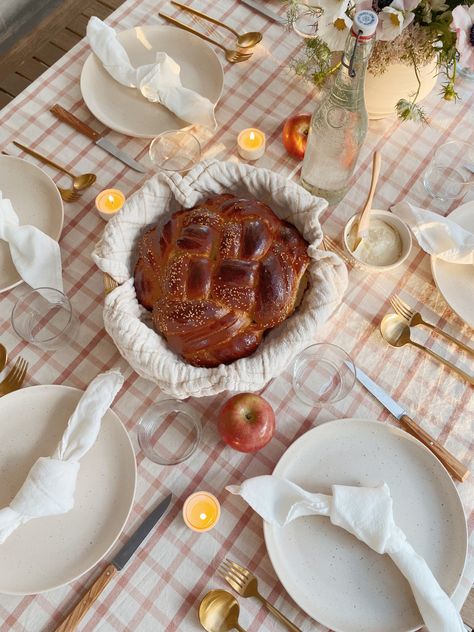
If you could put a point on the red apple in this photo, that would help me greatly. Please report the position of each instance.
(295, 134)
(246, 422)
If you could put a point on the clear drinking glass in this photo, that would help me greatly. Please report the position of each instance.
(175, 151)
(306, 20)
(44, 317)
(451, 171)
(323, 374)
(169, 432)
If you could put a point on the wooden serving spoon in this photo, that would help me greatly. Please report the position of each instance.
(364, 217)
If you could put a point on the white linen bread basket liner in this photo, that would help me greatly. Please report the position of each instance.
(129, 324)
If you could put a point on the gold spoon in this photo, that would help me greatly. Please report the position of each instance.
(219, 612)
(246, 40)
(68, 195)
(396, 332)
(3, 357)
(79, 183)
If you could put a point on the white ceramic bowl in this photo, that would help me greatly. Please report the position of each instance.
(397, 224)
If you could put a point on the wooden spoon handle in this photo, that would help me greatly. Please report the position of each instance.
(364, 217)
(71, 621)
(450, 462)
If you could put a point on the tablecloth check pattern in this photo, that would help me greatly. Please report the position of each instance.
(162, 585)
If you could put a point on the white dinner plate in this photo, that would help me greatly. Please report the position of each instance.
(35, 199)
(49, 552)
(454, 281)
(124, 109)
(332, 576)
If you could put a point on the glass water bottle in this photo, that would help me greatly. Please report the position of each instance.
(339, 123)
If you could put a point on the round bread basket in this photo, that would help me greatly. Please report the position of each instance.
(129, 324)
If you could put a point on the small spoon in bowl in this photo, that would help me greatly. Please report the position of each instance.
(396, 331)
(219, 612)
(364, 217)
(3, 357)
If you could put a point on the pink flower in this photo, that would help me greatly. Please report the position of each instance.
(463, 24)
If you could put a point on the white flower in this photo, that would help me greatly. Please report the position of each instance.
(394, 19)
(463, 24)
(334, 25)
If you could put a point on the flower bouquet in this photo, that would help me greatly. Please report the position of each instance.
(409, 32)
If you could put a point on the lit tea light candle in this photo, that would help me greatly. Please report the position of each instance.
(201, 511)
(109, 202)
(251, 143)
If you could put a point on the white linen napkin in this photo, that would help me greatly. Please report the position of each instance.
(49, 488)
(159, 82)
(35, 255)
(438, 235)
(365, 512)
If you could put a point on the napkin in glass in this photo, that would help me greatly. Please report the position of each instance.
(437, 235)
(35, 255)
(365, 512)
(49, 488)
(159, 82)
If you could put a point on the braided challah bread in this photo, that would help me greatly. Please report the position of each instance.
(219, 275)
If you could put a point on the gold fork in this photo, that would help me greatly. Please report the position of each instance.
(415, 318)
(330, 244)
(234, 56)
(15, 378)
(246, 585)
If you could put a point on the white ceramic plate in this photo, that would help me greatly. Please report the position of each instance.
(36, 201)
(125, 110)
(334, 577)
(48, 552)
(456, 282)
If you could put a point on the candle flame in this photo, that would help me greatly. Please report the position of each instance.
(252, 135)
(110, 198)
(203, 516)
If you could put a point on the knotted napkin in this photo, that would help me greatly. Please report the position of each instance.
(159, 82)
(50, 485)
(437, 235)
(365, 512)
(35, 255)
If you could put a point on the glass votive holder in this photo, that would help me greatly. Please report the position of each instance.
(323, 374)
(169, 432)
(451, 171)
(201, 511)
(44, 317)
(175, 151)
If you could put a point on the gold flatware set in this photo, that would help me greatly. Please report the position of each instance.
(79, 182)
(243, 43)
(219, 609)
(396, 328)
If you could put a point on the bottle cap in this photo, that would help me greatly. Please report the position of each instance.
(365, 23)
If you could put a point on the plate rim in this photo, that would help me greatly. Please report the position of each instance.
(433, 263)
(268, 529)
(120, 531)
(58, 197)
(118, 128)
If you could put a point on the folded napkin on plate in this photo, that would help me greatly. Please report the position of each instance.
(50, 485)
(437, 235)
(158, 82)
(35, 255)
(365, 512)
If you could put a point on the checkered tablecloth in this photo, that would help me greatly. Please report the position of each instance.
(165, 580)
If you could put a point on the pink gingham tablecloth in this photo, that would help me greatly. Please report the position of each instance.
(164, 582)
